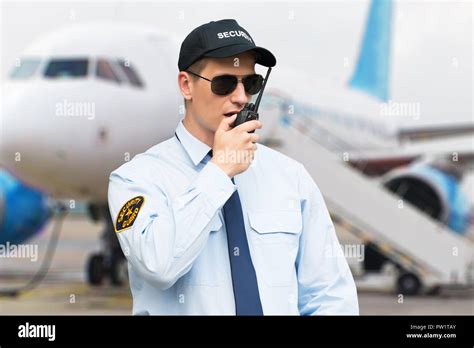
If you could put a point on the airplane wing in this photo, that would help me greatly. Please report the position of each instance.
(433, 132)
(459, 155)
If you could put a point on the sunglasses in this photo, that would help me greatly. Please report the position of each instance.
(226, 84)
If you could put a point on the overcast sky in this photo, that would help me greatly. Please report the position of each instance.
(432, 40)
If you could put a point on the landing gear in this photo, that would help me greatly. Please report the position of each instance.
(95, 269)
(110, 261)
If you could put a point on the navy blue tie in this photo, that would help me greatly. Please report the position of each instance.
(244, 279)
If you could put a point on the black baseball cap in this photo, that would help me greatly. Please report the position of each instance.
(220, 39)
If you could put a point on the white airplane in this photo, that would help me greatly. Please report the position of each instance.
(83, 100)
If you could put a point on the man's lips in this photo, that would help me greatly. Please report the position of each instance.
(228, 114)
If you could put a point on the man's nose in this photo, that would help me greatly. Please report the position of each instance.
(239, 96)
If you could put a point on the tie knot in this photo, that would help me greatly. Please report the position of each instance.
(210, 153)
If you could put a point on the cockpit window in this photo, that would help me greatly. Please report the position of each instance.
(25, 68)
(131, 74)
(66, 68)
(105, 71)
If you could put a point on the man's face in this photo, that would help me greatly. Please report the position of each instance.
(207, 108)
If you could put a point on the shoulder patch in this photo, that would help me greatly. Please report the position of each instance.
(128, 213)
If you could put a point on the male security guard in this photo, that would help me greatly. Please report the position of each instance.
(210, 227)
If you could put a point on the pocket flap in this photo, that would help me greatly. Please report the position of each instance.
(288, 221)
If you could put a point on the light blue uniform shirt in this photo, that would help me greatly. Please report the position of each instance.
(178, 260)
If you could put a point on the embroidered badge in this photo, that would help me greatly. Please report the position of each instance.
(128, 214)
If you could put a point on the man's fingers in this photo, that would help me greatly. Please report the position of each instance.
(249, 126)
(254, 137)
(226, 123)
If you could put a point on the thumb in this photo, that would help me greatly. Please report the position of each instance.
(226, 123)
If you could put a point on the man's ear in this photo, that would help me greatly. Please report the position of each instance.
(185, 85)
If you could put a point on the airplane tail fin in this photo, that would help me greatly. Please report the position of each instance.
(372, 73)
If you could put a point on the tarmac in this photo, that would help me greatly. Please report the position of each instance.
(64, 290)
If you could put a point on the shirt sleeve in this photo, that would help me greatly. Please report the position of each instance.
(325, 282)
(167, 233)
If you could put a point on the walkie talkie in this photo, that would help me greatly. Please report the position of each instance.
(250, 111)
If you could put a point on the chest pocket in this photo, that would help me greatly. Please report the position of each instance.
(275, 239)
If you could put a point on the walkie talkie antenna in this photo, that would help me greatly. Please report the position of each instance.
(257, 102)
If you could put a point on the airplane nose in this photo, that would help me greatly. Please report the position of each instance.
(20, 109)
(36, 116)
(50, 130)
(36, 131)
(17, 136)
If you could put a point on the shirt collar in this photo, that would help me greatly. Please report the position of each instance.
(195, 148)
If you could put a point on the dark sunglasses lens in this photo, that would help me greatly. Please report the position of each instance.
(253, 83)
(223, 85)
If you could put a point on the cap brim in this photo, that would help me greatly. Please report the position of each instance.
(264, 56)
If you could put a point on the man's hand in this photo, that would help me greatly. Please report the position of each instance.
(234, 148)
